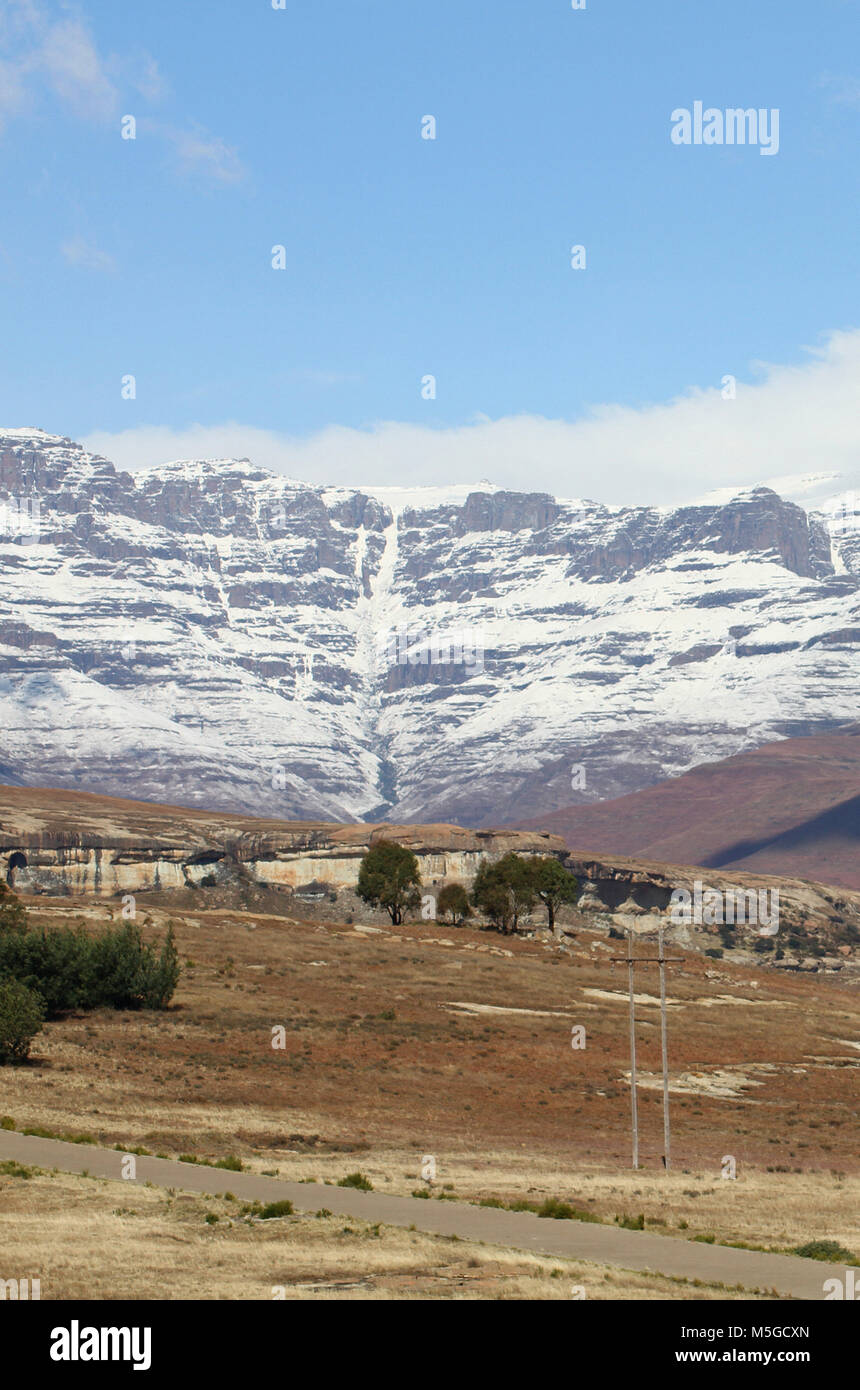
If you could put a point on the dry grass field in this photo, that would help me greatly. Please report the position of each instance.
(428, 1040)
(95, 1239)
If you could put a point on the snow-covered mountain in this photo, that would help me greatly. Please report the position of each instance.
(208, 633)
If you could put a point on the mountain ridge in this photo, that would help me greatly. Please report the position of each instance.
(206, 630)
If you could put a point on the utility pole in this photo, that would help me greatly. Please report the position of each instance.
(633, 1100)
(631, 962)
(664, 1048)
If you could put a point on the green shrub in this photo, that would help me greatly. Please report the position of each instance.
(71, 970)
(275, 1209)
(556, 1210)
(829, 1250)
(232, 1164)
(53, 963)
(127, 973)
(6, 1122)
(22, 1013)
(357, 1180)
(12, 915)
(11, 1169)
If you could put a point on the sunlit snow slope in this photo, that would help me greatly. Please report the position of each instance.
(211, 634)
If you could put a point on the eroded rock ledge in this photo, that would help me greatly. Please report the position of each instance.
(69, 843)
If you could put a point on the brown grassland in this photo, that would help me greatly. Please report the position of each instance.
(429, 1040)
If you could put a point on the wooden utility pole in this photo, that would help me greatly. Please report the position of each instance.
(631, 962)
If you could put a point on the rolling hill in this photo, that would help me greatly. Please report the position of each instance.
(791, 807)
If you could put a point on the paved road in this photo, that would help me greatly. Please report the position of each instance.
(606, 1245)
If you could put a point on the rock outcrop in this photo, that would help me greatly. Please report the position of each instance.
(61, 843)
(58, 842)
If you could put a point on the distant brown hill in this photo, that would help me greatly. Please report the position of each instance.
(787, 808)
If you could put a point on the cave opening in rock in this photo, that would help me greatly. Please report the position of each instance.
(16, 861)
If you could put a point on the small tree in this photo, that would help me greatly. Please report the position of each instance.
(22, 1014)
(503, 891)
(453, 902)
(12, 915)
(493, 899)
(388, 877)
(553, 884)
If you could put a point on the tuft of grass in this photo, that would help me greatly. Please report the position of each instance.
(270, 1212)
(232, 1164)
(6, 1122)
(552, 1208)
(562, 1211)
(40, 1133)
(11, 1169)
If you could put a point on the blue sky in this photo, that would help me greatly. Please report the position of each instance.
(301, 127)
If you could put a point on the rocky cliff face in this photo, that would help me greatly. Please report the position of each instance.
(210, 634)
(61, 842)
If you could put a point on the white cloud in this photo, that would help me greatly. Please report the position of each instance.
(40, 51)
(795, 419)
(84, 254)
(845, 91)
(149, 80)
(76, 71)
(198, 152)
